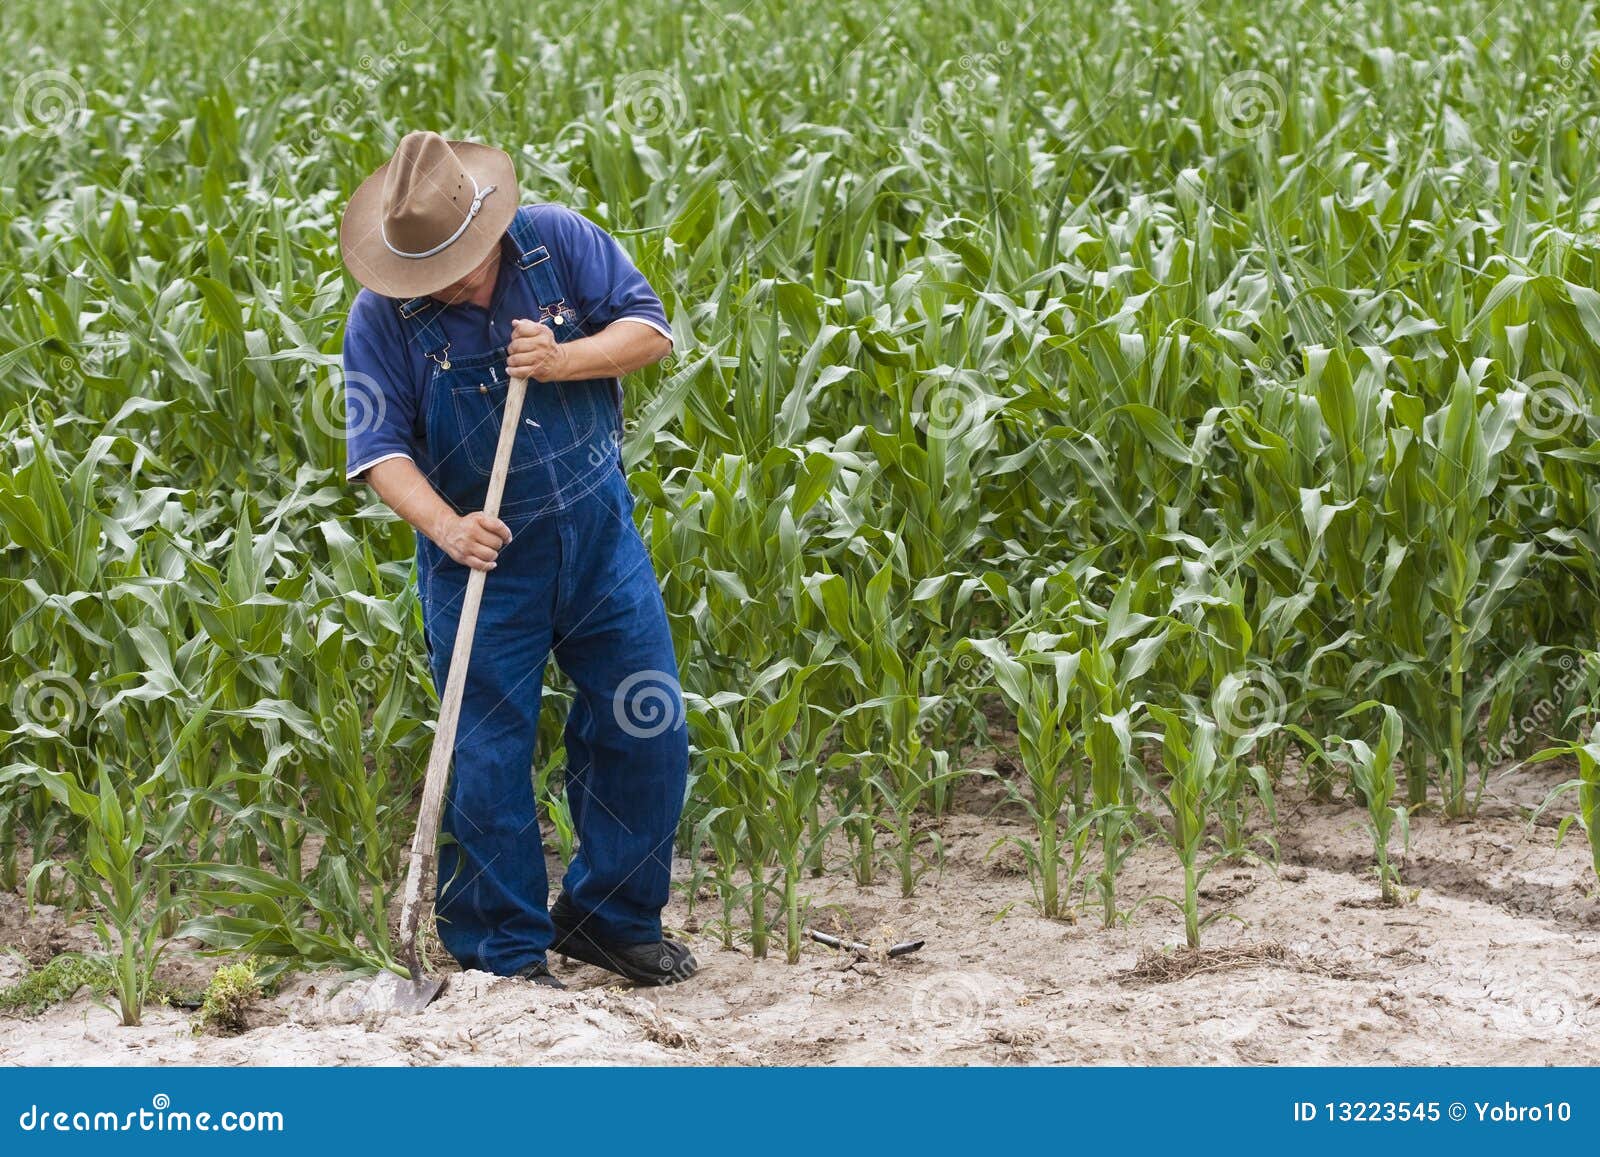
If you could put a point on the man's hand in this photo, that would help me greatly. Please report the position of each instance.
(535, 353)
(473, 540)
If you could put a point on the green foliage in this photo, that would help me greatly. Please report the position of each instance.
(232, 990)
(57, 980)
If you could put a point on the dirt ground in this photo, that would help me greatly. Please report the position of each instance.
(1495, 961)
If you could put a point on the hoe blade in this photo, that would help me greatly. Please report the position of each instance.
(390, 992)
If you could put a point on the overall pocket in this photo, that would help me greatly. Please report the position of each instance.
(479, 409)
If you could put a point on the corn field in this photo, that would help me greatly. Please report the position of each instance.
(1195, 404)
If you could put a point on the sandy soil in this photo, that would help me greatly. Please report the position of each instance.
(1495, 961)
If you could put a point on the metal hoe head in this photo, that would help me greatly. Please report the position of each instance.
(391, 992)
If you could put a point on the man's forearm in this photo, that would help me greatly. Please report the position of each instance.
(620, 348)
(407, 492)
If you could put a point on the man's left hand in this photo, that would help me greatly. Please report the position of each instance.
(535, 353)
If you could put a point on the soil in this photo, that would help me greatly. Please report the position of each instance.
(1493, 960)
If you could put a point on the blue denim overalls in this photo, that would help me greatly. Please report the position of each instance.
(576, 581)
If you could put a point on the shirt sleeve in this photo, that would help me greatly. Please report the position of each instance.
(380, 393)
(605, 284)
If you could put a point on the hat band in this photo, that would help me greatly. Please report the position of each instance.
(472, 211)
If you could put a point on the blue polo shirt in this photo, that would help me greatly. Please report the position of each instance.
(600, 282)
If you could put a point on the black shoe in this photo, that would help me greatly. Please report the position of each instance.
(662, 962)
(538, 973)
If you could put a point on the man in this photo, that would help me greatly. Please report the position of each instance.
(463, 289)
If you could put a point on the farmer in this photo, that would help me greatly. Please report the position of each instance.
(465, 288)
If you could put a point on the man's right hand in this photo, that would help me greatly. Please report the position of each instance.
(473, 540)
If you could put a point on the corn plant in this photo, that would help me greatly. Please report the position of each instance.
(119, 873)
(1037, 683)
(1117, 652)
(1195, 784)
(766, 791)
(1372, 775)
(1586, 786)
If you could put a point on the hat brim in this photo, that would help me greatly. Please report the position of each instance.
(374, 265)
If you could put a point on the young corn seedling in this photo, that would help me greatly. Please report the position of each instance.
(1374, 781)
(854, 784)
(118, 872)
(556, 810)
(1480, 571)
(1037, 684)
(1587, 786)
(1195, 785)
(1589, 792)
(1372, 770)
(1118, 651)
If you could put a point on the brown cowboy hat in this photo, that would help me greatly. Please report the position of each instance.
(428, 216)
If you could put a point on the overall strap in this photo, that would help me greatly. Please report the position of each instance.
(534, 259)
(421, 314)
